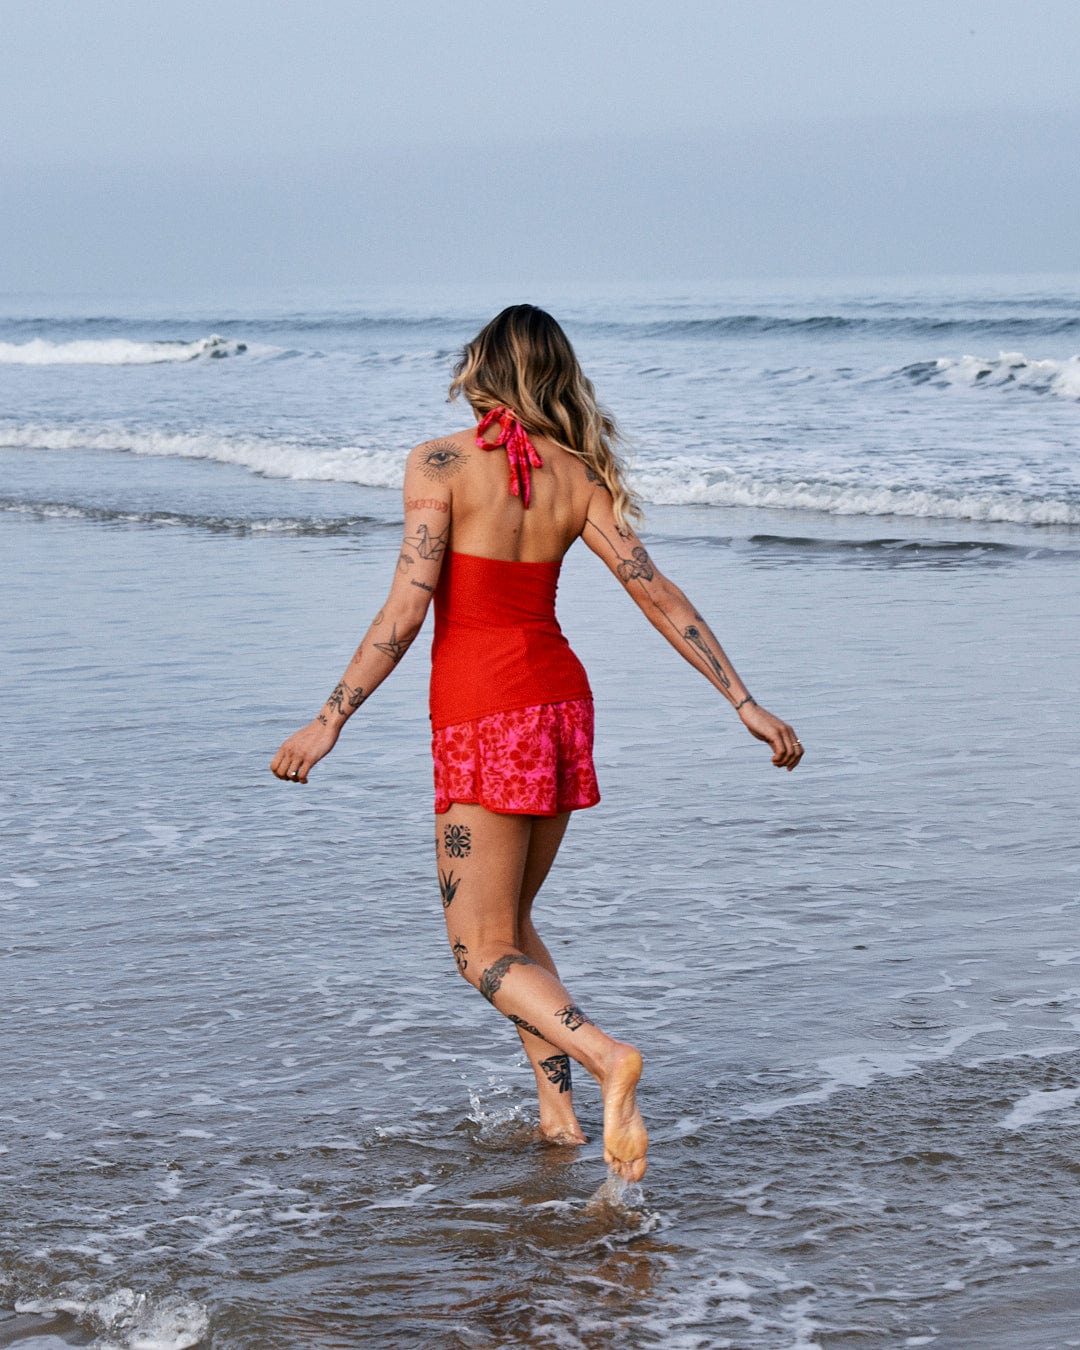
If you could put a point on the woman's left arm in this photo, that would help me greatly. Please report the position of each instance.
(392, 631)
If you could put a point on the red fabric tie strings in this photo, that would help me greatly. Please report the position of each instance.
(520, 451)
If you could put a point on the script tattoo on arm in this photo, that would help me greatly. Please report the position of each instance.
(395, 647)
(425, 504)
(430, 546)
(557, 1069)
(423, 586)
(638, 567)
(492, 978)
(461, 954)
(525, 1026)
(572, 1017)
(441, 461)
(448, 887)
(696, 639)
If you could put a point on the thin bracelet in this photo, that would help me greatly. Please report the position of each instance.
(748, 699)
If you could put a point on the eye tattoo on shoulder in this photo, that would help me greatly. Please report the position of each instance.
(442, 460)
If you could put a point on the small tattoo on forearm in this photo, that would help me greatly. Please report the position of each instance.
(572, 1017)
(404, 562)
(395, 647)
(525, 1026)
(461, 953)
(378, 618)
(441, 461)
(492, 978)
(457, 840)
(448, 887)
(426, 504)
(638, 567)
(557, 1069)
(423, 586)
(696, 638)
(322, 718)
(344, 699)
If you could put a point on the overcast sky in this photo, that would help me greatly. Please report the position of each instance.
(261, 142)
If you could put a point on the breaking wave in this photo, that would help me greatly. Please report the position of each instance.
(115, 351)
(1006, 370)
(665, 481)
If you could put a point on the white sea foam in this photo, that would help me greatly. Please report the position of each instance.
(114, 351)
(681, 485)
(664, 481)
(126, 1320)
(273, 458)
(861, 1069)
(1035, 1104)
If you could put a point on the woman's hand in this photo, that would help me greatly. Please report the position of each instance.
(786, 747)
(303, 750)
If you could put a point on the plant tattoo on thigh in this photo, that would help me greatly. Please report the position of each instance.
(457, 841)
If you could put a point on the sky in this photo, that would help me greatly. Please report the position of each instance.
(334, 142)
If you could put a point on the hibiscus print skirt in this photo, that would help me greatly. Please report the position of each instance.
(529, 762)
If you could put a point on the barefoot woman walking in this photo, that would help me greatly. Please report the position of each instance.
(489, 514)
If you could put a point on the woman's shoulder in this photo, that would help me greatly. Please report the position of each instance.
(442, 458)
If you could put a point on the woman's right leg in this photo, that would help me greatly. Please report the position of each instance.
(558, 1121)
(482, 858)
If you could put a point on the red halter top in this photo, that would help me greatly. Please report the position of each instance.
(498, 645)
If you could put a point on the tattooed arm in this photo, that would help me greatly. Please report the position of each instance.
(672, 614)
(426, 537)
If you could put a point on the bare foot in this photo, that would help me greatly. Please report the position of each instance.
(625, 1136)
(562, 1134)
(558, 1123)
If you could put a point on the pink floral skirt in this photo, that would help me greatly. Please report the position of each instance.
(529, 762)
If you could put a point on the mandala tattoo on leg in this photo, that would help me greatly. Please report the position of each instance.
(557, 1069)
(448, 887)
(696, 638)
(572, 1017)
(525, 1026)
(442, 460)
(457, 841)
(461, 953)
(492, 978)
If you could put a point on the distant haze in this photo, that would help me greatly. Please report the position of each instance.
(270, 142)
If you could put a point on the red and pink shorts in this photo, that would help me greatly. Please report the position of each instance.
(529, 761)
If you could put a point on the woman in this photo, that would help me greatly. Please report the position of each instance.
(510, 703)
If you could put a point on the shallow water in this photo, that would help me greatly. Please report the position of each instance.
(251, 1104)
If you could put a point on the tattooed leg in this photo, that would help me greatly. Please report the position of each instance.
(499, 869)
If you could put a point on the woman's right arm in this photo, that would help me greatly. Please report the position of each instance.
(427, 510)
(672, 615)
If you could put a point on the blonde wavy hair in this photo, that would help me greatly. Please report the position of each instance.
(522, 360)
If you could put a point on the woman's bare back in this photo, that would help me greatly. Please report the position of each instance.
(486, 519)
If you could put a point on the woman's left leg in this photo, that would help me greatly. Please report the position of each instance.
(482, 861)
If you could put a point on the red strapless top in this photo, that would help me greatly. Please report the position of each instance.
(497, 644)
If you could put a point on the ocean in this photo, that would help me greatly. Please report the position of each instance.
(248, 1102)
